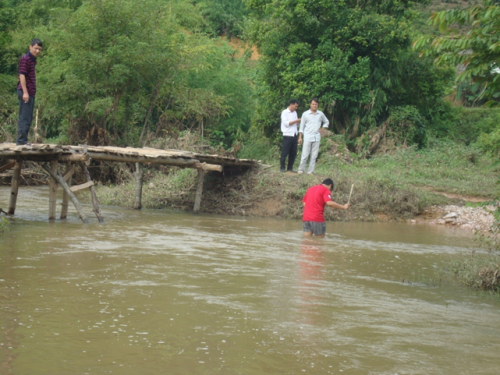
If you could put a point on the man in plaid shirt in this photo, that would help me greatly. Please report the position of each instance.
(26, 90)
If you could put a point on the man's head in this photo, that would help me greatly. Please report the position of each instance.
(36, 47)
(328, 183)
(314, 104)
(293, 105)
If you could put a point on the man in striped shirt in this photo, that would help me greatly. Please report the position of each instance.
(26, 90)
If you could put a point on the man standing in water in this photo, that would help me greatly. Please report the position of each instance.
(315, 200)
(26, 90)
(289, 123)
(310, 125)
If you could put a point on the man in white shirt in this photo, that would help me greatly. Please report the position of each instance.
(289, 123)
(311, 123)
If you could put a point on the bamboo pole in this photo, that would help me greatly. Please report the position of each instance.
(35, 130)
(52, 191)
(85, 185)
(75, 157)
(352, 187)
(15, 186)
(179, 162)
(65, 186)
(211, 167)
(95, 201)
(65, 200)
(199, 190)
(10, 154)
(139, 174)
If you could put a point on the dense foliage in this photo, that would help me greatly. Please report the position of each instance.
(476, 51)
(125, 72)
(355, 57)
(224, 16)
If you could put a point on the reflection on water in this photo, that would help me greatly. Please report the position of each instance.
(158, 292)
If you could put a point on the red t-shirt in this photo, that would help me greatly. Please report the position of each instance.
(315, 200)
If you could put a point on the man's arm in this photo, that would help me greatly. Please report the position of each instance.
(338, 206)
(325, 121)
(301, 128)
(22, 80)
(23, 72)
(285, 122)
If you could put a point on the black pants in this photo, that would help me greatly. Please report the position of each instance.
(25, 118)
(289, 149)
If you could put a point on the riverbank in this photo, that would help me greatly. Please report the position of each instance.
(405, 185)
(444, 184)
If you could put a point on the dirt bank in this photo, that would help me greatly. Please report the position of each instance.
(267, 192)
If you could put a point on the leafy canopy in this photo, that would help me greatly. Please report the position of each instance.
(126, 72)
(476, 52)
(355, 56)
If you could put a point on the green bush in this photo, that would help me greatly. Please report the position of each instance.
(257, 146)
(478, 272)
(471, 123)
(407, 125)
(224, 16)
(4, 225)
(490, 142)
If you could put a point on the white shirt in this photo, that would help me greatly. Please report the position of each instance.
(310, 124)
(288, 116)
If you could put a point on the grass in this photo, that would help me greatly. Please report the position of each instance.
(4, 225)
(159, 190)
(448, 168)
(477, 271)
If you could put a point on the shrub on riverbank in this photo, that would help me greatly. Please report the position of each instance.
(4, 225)
(479, 271)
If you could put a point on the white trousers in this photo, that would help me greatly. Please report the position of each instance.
(312, 149)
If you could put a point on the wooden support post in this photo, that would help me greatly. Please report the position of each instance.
(65, 200)
(16, 177)
(95, 201)
(53, 191)
(139, 174)
(199, 190)
(65, 186)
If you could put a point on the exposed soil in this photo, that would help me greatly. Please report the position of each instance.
(464, 198)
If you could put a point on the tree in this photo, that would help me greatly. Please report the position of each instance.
(123, 72)
(476, 52)
(355, 56)
(224, 16)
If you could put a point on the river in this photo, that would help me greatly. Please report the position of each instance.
(162, 292)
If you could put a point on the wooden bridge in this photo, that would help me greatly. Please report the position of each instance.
(12, 157)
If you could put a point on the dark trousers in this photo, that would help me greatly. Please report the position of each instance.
(289, 149)
(25, 118)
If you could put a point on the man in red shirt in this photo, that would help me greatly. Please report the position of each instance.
(315, 200)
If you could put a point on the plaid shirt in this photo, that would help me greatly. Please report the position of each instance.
(27, 64)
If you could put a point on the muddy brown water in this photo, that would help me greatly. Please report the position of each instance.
(160, 292)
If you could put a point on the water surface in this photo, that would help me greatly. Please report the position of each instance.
(161, 292)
